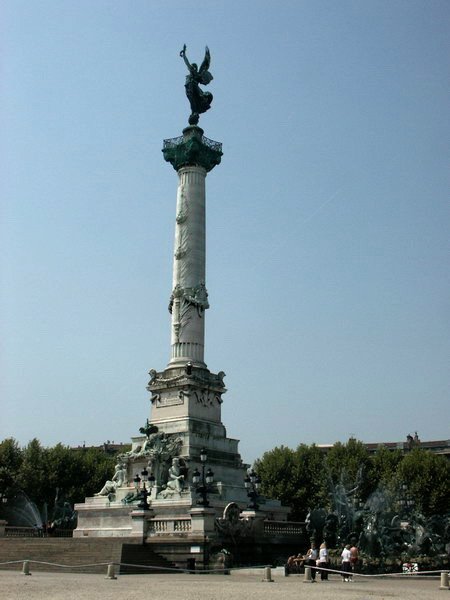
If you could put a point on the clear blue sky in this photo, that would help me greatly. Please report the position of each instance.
(328, 219)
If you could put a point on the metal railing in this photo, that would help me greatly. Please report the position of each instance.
(284, 527)
(36, 532)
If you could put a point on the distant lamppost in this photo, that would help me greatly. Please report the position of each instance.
(406, 501)
(202, 481)
(144, 493)
(252, 484)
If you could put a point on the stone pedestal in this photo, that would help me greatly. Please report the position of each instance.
(256, 517)
(202, 520)
(139, 523)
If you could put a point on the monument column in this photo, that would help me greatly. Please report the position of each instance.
(192, 155)
(186, 397)
(189, 295)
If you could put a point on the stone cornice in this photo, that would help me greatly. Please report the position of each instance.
(212, 381)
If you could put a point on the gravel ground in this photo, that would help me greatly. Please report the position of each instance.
(73, 586)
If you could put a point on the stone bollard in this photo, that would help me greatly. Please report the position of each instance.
(444, 580)
(307, 578)
(268, 575)
(26, 567)
(111, 574)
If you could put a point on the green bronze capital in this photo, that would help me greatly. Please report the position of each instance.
(192, 149)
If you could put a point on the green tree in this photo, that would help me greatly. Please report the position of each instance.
(33, 474)
(276, 469)
(302, 478)
(97, 467)
(10, 463)
(75, 473)
(311, 477)
(384, 466)
(427, 478)
(295, 477)
(41, 472)
(350, 465)
(65, 473)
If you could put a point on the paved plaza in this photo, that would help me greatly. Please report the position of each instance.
(72, 586)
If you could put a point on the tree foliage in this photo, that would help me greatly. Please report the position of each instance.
(44, 473)
(350, 465)
(295, 477)
(311, 476)
(384, 464)
(10, 464)
(303, 478)
(277, 471)
(427, 479)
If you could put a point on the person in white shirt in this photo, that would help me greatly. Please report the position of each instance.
(346, 564)
(323, 561)
(311, 557)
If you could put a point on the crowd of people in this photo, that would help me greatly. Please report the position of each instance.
(318, 561)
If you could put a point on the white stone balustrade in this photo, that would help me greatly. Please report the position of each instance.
(165, 526)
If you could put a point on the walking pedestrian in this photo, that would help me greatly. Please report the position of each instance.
(346, 564)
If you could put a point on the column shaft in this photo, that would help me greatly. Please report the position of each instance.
(189, 296)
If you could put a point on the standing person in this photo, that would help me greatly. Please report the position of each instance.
(354, 555)
(323, 561)
(346, 564)
(311, 557)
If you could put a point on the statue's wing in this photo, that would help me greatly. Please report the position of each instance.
(206, 61)
(204, 75)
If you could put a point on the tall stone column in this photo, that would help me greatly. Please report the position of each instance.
(189, 298)
(186, 395)
(192, 155)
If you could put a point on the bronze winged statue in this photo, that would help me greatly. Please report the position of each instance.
(199, 100)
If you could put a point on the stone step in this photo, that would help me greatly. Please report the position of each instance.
(179, 552)
(87, 554)
(134, 554)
